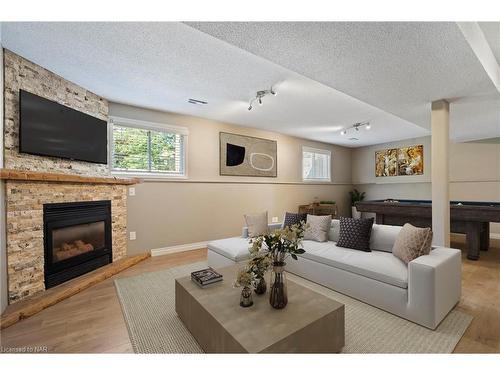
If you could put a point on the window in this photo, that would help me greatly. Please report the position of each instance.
(145, 148)
(315, 164)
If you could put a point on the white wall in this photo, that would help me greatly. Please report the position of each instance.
(474, 174)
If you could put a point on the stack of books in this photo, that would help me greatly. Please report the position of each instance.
(206, 277)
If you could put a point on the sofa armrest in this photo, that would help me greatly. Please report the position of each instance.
(434, 283)
(273, 226)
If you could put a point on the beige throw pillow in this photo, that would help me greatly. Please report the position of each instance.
(412, 242)
(318, 228)
(257, 224)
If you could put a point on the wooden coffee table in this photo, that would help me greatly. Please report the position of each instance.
(310, 323)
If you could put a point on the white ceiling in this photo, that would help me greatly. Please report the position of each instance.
(162, 65)
(397, 68)
(484, 124)
(491, 31)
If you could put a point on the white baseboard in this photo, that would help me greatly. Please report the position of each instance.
(178, 248)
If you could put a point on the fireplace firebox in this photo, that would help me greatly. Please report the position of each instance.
(77, 239)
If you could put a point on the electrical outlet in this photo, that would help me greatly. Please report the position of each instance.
(131, 191)
(132, 236)
(274, 219)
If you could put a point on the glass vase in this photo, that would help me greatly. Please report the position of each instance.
(246, 297)
(278, 295)
(261, 286)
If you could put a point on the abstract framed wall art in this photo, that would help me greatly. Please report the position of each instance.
(242, 155)
(403, 161)
(411, 160)
(386, 162)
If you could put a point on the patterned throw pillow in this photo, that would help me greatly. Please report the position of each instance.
(257, 224)
(292, 218)
(318, 228)
(355, 233)
(412, 242)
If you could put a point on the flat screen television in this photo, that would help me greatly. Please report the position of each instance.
(50, 129)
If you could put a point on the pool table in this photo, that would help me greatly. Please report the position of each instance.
(471, 218)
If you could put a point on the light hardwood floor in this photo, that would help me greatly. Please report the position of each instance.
(92, 321)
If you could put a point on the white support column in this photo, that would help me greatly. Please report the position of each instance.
(439, 173)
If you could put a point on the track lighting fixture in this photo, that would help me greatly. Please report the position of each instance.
(259, 95)
(356, 126)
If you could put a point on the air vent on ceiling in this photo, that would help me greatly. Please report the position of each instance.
(196, 101)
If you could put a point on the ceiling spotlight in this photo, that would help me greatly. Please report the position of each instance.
(356, 127)
(259, 95)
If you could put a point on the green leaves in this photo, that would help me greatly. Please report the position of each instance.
(356, 196)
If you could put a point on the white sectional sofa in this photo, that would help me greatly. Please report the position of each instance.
(422, 292)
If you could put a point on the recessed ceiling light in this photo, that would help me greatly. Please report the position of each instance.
(196, 101)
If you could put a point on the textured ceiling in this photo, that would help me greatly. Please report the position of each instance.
(162, 65)
(491, 32)
(484, 124)
(398, 67)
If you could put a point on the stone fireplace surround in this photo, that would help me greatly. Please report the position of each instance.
(24, 206)
(57, 180)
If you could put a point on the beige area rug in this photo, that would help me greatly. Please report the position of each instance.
(148, 304)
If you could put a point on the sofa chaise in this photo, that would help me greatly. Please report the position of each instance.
(424, 291)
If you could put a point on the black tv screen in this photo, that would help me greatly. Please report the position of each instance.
(51, 129)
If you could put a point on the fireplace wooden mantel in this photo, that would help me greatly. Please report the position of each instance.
(13, 174)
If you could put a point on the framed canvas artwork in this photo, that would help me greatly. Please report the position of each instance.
(241, 155)
(411, 160)
(386, 162)
(403, 161)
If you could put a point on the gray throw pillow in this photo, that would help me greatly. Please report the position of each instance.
(257, 224)
(317, 228)
(412, 242)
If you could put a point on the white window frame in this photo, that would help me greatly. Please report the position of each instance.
(317, 151)
(155, 126)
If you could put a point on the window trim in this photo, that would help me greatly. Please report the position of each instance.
(317, 151)
(147, 125)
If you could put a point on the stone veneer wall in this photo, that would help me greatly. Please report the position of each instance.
(25, 199)
(23, 74)
(24, 206)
